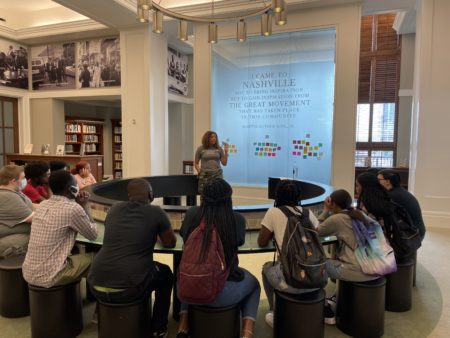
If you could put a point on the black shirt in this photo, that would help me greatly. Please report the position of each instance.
(191, 220)
(407, 200)
(126, 257)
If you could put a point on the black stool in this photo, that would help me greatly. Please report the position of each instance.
(399, 287)
(360, 308)
(14, 301)
(123, 320)
(207, 322)
(299, 315)
(56, 312)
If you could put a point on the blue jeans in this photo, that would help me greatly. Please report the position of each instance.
(245, 292)
(273, 278)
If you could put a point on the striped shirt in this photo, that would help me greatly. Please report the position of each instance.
(53, 231)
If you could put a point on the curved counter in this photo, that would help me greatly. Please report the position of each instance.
(172, 188)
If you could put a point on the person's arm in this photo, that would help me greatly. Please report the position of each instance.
(329, 227)
(82, 220)
(326, 210)
(224, 155)
(165, 231)
(266, 231)
(81, 185)
(197, 159)
(168, 239)
(264, 237)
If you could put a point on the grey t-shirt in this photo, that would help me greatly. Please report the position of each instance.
(210, 158)
(15, 207)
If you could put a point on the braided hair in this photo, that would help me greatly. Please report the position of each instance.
(217, 210)
(373, 196)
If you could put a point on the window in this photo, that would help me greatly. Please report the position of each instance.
(8, 128)
(376, 122)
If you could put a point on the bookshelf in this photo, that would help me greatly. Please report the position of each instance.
(84, 137)
(116, 127)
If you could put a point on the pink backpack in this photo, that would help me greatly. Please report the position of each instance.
(199, 282)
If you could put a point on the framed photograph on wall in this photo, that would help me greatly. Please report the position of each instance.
(45, 149)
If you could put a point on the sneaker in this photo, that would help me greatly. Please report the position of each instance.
(332, 301)
(329, 317)
(182, 334)
(269, 318)
(160, 334)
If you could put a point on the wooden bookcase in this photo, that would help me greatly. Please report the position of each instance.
(116, 127)
(84, 137)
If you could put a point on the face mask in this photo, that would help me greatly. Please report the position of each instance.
(74, 190)
(23, 183)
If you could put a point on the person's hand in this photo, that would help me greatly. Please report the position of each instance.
(327, 204)
(225, 147)
(83, 197)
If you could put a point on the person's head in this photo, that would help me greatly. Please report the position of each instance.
(217, 210)
(63, 183)
(82, 168)
(57, 165)
(12, 177)
(372, 195)
(373, 171)
(140, 190)
(210, 139)
(389, 179)
(340, 200)
(38, 172)
(287, 193)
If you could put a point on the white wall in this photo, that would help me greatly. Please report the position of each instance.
(430, 160)
(346, 19)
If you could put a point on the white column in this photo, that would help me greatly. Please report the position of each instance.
(144, 102)
(430, 137)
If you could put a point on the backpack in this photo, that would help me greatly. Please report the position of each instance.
(374, 255)
(402, 233)
(302, 258)
(199, 282)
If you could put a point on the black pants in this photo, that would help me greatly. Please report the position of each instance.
(160, 280)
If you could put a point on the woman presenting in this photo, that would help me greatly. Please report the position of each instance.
(208, 158)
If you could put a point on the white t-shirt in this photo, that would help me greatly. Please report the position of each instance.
(275, 221)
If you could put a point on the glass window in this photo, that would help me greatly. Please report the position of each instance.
(383, 124)
(272, 103)
(9, 140)
(363, 123)
(8, 114)
(360, 158)
(382, 158)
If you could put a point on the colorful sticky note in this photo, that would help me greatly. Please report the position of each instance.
(307, 143)
(278, 148)
(309, 154)
(304, 156)
(320, 144)
(316, 147)
(296, 147)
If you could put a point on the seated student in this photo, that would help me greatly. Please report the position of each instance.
(390, 180)
(241, 286)
(83, 175)
(37, 173)
(56, 223)
(336, 220)
(16, 212)
(57, 165)
(274, 225)
(124, 271)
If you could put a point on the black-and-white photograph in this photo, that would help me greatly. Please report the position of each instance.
(53, 66)
(99, 63)
(177, 71)
(13, 64)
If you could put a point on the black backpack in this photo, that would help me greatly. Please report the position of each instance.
(302, 258)
(402, 233)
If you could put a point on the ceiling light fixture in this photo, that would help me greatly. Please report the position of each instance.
(262, 8)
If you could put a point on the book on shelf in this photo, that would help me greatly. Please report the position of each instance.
(82, 149)
(45, 149)
(28, 148)
(60, 149)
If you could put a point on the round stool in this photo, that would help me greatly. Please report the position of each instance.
(207, 322)
(14, 301)
(300, 315)
(56, 312)
(360, 308)
(399, 287)
(123, 320)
